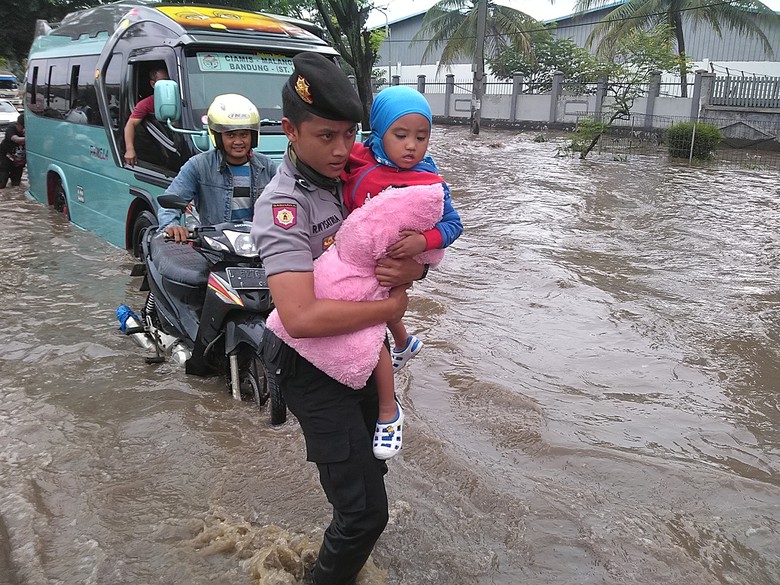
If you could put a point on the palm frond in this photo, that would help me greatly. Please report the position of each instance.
(453, 25)
(738, 15)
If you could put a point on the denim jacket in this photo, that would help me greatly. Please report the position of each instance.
(206, 180)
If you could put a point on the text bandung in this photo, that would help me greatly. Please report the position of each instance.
(259, 67)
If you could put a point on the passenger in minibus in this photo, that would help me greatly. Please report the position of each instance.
(143, 108)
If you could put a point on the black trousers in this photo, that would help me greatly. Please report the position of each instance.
(10, 170)
(338, 426)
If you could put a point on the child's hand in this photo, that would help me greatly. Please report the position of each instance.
(411, 244)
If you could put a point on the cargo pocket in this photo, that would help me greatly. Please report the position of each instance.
(277, 355)
(341, 474)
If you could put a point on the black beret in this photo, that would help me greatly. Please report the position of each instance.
(324, 89)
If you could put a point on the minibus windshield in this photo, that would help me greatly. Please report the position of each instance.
(259, 77)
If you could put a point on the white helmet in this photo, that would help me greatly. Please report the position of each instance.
(229, 112)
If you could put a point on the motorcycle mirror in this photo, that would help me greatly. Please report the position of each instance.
(172, 202)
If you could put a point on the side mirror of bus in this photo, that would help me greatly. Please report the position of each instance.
(167, 105)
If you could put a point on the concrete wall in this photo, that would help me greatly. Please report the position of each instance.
(740, 126)
(746, 127)
(532, 108)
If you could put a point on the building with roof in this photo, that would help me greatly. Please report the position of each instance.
(730, 53)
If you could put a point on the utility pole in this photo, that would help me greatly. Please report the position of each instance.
(479, 68)
(386, 42)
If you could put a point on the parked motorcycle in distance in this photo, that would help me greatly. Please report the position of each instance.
(206, 308)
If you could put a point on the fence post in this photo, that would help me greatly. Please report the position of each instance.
(353, 81)
(421, 83)
(396, 80)
(449, 91)
(517, 89)
(696, 98)
(601, 93)
(557, 89)
(653, 91)
(707, 88)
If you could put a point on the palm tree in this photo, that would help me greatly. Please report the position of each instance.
(453, 23)
(739, 15)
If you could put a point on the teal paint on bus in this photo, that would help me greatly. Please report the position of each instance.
(84, 77)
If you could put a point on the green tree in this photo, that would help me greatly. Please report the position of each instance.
(345, 21)
(628, 68)
(633, 15)
(547, 56)
(453, 25)
(19, 16)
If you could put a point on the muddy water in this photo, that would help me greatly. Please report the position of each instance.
(597, 401)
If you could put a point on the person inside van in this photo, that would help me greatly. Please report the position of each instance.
(143, 108)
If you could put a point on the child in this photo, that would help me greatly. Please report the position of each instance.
(395, 156)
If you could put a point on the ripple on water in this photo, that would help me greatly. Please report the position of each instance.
(596, 402)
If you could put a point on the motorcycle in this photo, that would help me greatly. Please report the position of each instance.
(206, 307)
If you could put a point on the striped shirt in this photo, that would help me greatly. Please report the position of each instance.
(241, 207)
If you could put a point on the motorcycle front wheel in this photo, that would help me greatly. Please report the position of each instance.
(259, 384)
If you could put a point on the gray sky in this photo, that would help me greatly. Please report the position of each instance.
(539, 9)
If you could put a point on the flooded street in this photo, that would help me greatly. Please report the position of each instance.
(598, 401)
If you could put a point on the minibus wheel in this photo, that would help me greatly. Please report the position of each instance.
(144, 220)
(60, 200)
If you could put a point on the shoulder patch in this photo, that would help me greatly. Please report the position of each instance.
(285, 214)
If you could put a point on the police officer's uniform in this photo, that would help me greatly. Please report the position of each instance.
(295, 221)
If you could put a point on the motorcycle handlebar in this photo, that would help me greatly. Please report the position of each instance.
(190, 237)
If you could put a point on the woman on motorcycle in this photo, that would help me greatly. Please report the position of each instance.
(225, 182)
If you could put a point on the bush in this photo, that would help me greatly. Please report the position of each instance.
(678, 139)
(588, 130)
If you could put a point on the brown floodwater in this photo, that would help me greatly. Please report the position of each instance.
(598, 400)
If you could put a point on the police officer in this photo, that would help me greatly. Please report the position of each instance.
(295, 221)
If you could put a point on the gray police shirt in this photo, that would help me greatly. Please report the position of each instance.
(294, 221)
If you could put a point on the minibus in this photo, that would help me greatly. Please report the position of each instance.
(85, 75)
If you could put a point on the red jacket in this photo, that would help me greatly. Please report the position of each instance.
(366, 178)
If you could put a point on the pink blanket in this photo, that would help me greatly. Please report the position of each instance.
(346, 272)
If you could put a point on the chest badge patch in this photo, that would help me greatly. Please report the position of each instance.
(285, 215)
(328, 242)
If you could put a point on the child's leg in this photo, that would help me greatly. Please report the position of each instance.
(405, 346)
(385, 386)
(399, 333)
(388, 432)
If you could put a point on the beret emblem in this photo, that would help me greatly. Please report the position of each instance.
(302, 89)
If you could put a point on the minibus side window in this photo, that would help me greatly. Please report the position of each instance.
(57, 89)
(33, 96)
(156, 146)
(83, 97)
(113, 85)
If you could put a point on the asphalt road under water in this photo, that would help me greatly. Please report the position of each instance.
(597, 401)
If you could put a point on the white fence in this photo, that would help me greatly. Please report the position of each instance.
(746, 92)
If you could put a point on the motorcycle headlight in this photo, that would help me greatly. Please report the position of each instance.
(242, 243)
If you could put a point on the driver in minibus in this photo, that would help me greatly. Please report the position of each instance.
(143, 108)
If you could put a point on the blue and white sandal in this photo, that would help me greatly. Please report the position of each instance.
(388, 436)
(400, 357)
